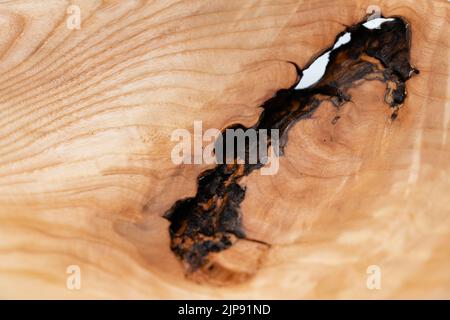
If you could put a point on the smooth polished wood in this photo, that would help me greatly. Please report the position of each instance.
(85, 171)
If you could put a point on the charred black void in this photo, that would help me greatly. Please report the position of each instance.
(211, 220)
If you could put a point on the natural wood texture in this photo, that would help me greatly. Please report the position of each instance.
(86, 174)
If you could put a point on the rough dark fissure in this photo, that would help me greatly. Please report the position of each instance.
(211, 221)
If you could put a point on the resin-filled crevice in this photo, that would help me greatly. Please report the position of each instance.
(211, 221)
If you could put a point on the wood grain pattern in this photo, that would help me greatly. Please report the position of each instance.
(86, 174)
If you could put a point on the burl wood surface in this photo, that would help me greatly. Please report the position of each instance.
(86, 175)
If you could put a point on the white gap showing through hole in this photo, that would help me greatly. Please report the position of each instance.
(316, 70)
(376, 23)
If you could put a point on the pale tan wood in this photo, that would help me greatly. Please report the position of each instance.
(85, 169)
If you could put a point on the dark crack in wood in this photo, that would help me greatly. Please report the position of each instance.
(211, 221)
